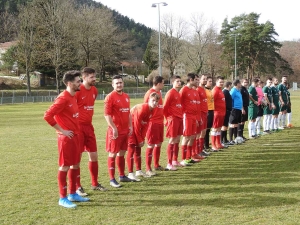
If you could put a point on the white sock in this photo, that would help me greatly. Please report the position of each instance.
(265, 122)
(249, 128)
(289, 118)
(257, 124)
(272, 123)
(253, 129)
(279, 119)
(283, 119)
(276, 123)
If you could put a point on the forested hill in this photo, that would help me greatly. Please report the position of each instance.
(140, 32)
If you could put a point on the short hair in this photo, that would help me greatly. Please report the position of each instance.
(209, 77)
(69, 76)
(154, 95)
(219, 78)
(157, 80)
(270, 78)
(284, 76)
(116, 77)
(174, 78)
(236, 82)
(227, 84)
(274, 78)
(87, 70)
(255, 80)
(190, 76)
(245, 79)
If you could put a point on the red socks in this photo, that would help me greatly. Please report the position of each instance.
(129, 157)
(78, 184)
(189, 152)
(72, 175)
(121, 165)
(111, 167)
(148, 158)
(183, 151)
(137, 158)
(175, 152)
(93, 167)
(62, 183)
(156, 156)
(170, 150)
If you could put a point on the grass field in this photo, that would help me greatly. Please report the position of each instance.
(254, 183)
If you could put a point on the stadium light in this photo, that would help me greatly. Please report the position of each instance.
(159, 47)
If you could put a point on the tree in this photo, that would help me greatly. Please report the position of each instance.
(150, 56)
(8, 24)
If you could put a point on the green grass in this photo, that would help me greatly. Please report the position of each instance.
(254, 183)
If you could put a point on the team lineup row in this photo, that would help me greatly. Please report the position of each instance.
(196, 112)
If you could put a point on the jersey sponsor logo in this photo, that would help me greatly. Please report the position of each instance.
(83, 97)
(88, 107)
(178, 105)
(193, 101)
(124, 110)
(75, 115)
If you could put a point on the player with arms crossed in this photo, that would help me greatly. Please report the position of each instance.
(268, 107)
(276, 108)
(173, 114)
(140, 115)
(155, 133)
(245, 96)
(283, 102)
(86, 99)
(62, 115)
(118, 118)
(289, 107)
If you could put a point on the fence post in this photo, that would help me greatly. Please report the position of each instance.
(23, 100)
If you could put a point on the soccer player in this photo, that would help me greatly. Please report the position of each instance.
(276, 108)
(236, 112)
(211, 107)
(267, 108)
(260, 113)
(189, 97)
(289, 107)
(155, 133)
(173, 114)
(283, 102)
(85, 99)
(140, 115)
(118, 118)
(245, 96)
(204, 111)
(219, 114)
(62, 115)
(252, 108)
(228, 103)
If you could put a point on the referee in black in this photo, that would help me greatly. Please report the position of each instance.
(245, 97)
(228, 101)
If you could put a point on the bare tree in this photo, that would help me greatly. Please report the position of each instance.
(8, 25)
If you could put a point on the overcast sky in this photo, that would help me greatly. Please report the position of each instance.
(283, 14)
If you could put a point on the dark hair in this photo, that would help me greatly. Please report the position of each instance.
(69, 76)
(87, 70)
(255, 80)
(154, 95)
(219, 78)
(190, 76)
(284, 76)
(174, 78)
(236, 82)
(270, 78)
(116, 77)
(209, 77)
(157, 80)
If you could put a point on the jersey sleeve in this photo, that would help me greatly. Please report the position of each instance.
(146, 97)
(57, 107)
(108, 105)
(166, 105)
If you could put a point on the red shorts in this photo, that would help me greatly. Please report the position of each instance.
(189, 127)
(204, 120)
(174, 127)
(155, 133)
(218, 121)
(132, 140)
(115, 145)
(68, 150)
(87, 138)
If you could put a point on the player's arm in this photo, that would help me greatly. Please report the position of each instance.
(138, 125)
(166, 105)
(130, 124)
(57, 107)
(108, 116)
(280, 95)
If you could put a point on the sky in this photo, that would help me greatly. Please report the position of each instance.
(283, 14)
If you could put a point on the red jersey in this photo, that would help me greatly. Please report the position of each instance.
(158, 114)
(198, 115)
(203, 99)
(118, 107)
(172, 104)
(141, 115)
(189, 98)
(86, 100)
(219, 100)
(64, 112)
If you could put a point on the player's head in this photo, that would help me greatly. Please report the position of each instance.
(209, 82)
(284, 79)
(228, 85)
(245, 82)
(153, 100)
(269, 82)
(255, 82)
(158, 82)
(237, 83)
(203, 79)
(117, 83)
(176, 81)
(191, 79)
(72, 79)
(89, 76)
(197, 80)
(275, 81)
(261, 83)
(220, 81)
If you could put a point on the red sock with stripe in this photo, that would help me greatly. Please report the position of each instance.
(137, 158)
(156, 156)
(129, 158)
(93, 167)
(111, 164)
(62, 183)
(183, 151)
(72, 175)
(148, 158)
(121, 165)
(170, 153)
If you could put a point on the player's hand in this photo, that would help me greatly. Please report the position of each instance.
(282, 103)
(67, 133)
(130, 131)
(243, 111)
(141, 144)
(115, 134)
